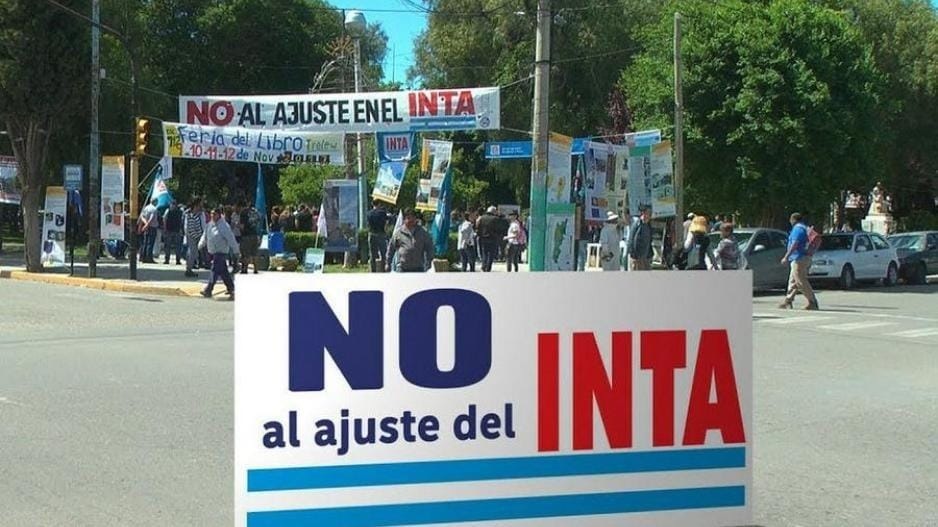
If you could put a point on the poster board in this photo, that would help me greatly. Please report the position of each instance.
(544, 414)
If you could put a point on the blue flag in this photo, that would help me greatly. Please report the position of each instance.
(441, 221)
(260, 200)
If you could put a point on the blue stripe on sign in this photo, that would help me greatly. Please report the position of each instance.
(505, 508)
(547, 466)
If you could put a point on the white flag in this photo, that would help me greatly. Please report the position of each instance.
(165, 169)
(321, 228)
(400, 221)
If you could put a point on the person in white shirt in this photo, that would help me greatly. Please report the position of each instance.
(609, 238)
(517, 239)
(467, 244)
(219, 241)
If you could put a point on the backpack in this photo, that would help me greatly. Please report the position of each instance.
(814, 242)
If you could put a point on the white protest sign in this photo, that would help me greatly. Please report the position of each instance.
(446, 399)
(369, 112)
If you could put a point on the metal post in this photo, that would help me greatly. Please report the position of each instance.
(94, 149)
(134, 164)
(678, 134)
(538, 214)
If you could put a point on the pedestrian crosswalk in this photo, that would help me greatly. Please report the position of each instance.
(862, 324)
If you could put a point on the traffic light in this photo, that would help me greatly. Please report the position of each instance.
(141, 133)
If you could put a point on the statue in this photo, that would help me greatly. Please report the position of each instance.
(877, 197)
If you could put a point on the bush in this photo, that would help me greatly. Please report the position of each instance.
(298, 242)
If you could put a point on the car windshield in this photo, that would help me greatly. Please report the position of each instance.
(836, 242)
(906, 242)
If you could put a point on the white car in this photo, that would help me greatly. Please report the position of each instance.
(847, 258)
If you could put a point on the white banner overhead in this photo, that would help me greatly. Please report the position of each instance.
(220, 143)
(403, 111)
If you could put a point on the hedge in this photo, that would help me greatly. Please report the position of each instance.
(298, 242)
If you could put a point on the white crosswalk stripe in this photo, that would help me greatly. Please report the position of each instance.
(796, 320)
(850, 326)
(915, 333)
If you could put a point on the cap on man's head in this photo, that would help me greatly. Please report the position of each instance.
(611, 216)
(690, 215)
(491, 209)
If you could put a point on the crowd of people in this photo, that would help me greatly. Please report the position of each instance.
(482, 236)
(221, 239)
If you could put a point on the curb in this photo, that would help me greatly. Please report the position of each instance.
(121, 286)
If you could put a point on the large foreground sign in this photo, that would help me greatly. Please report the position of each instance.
(403, 111)
(467, 400)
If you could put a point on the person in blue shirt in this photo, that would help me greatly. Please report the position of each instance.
(800, 262)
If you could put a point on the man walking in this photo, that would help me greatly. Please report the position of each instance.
(219, 241)
(172, 232)
(377, 236)
(487, 231)
(799, 259)
(640, 251)
(194, 226)
(413, 246)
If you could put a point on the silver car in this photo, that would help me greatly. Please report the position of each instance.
(762, 250)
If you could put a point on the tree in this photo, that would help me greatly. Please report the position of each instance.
(303, 183)
(904, 39)
(782, 101)
(43, 72)
(491, 42)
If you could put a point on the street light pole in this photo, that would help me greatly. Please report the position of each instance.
(362, 181)
(356, 25)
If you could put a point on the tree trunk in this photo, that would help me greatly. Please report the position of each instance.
(30, 140)
(32, 229)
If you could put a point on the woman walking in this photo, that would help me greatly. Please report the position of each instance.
(516, 239)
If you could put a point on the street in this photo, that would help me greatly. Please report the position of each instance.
(116, 409)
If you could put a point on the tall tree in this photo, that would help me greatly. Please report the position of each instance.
(904, 38)
(43, 72)
(491, 42)
(782, 105)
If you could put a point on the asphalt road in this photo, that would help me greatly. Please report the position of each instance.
(116, 409)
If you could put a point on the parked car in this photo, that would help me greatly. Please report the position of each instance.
(762, 250)
(846, 258)
(918, 255)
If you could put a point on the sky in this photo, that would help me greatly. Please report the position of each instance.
(401, 22)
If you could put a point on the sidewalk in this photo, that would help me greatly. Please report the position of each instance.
(114, 275)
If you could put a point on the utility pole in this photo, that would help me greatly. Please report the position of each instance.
(541, 128)
(94, 149)
(678, 134)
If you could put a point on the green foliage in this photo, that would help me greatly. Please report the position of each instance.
(591, 43)
(43, 79)
(782, 106)
(303, 183)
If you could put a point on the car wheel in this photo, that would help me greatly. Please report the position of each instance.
(892, 275)
(847, 278)
(920, 275)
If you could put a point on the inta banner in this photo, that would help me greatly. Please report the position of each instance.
(434, 399)
(9, 186)
(340, 210)
(389, 181)
(113, 207)
(274, 147)
(400, 111)
(54, 228)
